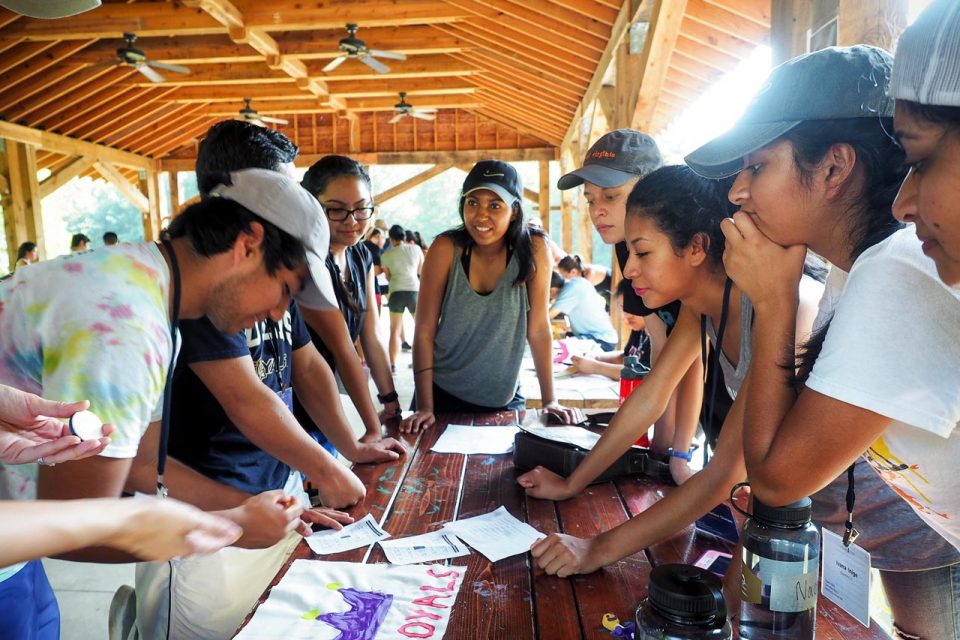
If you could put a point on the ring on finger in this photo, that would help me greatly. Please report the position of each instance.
(44, 463)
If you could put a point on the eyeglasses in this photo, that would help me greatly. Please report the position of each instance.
(360, 213)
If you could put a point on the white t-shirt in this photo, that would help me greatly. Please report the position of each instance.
(402, 261)
(94, 326)
(893, 348)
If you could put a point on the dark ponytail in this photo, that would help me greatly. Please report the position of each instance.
(570, 262)
(870, 216)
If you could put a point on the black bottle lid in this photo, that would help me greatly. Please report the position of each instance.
(793, 515)
(686, 592)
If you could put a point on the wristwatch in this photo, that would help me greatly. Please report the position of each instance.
(387, 397)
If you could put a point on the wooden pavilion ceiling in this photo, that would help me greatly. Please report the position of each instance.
(502, 73)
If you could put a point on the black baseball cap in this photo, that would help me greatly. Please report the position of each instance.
(497, 176)
(830, 84)
(616, 157)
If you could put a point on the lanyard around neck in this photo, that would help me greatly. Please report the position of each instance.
(168, 385)
(707, 407)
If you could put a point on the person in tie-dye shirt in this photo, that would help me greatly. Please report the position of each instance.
(96, 325)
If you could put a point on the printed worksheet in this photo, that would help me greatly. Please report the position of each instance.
(497, 535)
(459, 438)
(577, 436)
(359, 534)
(436, 545)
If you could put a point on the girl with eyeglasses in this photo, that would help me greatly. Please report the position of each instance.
(343, 187)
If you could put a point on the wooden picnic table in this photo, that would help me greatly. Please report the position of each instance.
(510, 599)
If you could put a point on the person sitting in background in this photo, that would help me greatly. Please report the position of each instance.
(556, 253)
(79, 242)
(374, 243)
(485, 290)
(597, 275)
(110, 238)
(578, 300)
(638, 344)
(27, 253)
(401, 266)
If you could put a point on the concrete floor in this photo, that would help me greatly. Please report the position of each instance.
(84, 590)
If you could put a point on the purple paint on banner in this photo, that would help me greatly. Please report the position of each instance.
(362, 621)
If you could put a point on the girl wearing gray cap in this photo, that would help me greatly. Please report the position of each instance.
(819, 170)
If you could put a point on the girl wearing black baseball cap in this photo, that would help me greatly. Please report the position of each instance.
(483, 293)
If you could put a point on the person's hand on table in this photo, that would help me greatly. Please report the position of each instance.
(540, 482)
(159, 529)
(382, 450)
(266, 518)
(390, 411)
(568, 415)
(339, 487)
(680, 470)
(583, 364)
(329, 518)
(417, 422)
(30, 430)
(561, 555)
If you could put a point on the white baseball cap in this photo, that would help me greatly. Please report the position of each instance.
(926, 68)
(280, 200)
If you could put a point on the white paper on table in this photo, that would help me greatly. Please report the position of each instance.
(436, 545)
(497, 535)
(459, 438)
(320, 600)
(359, 534)
(577, 436)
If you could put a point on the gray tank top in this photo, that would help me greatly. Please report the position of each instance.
(734, 376)
(480, 338)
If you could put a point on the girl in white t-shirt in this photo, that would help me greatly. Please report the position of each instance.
(817, 170)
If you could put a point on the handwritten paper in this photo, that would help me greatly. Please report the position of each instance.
(577, 436)
(323, 600)
(459, 438)
(359, 534)
(497, 535)
(436, 545)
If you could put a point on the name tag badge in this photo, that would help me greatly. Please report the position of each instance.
(846, 576)
(287, 396)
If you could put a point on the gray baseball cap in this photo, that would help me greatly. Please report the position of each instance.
(831, 84)
(614, 158)
(927, 65)
(280, 200)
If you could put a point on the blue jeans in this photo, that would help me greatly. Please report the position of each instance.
(925, 604)
(29, 610)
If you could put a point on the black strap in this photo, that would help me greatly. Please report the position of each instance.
(850, 534)
(707, 407)
(168, 385)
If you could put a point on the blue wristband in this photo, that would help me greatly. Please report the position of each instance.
(688, 456)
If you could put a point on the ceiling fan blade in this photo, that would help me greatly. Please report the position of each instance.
(397, 118)
(391, 55)
(152, 75)
(176, 68)
(333, 64)
(374, 64)
(274, 120)
(423, 115)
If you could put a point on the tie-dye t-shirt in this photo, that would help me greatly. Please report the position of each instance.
(893, 347)
(92, 326)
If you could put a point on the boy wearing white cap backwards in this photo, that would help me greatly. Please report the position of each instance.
(817, 168)
(98, 325)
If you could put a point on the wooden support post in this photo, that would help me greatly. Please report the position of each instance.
(114, 177)
(567, 164)
(150, 187)
(789, 22)
(174, 193)
(544, 203)
(23, 214)
(65, 175)
(876, 22)
(657, 51)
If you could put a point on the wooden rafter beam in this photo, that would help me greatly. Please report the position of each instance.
(729, 22)
(64, 175)
(61, 93)
(154, 19)
(528, 10)
(112, 175)
(520, 77)
(410, 183)
(601, 12)
(71, 146)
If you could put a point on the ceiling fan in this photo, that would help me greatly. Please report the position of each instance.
(130, 56)
(353, 47)
(249, 114)
(404, 109)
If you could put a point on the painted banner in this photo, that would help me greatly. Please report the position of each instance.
(350, 601)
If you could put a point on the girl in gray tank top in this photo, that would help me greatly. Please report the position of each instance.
(483, 294)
